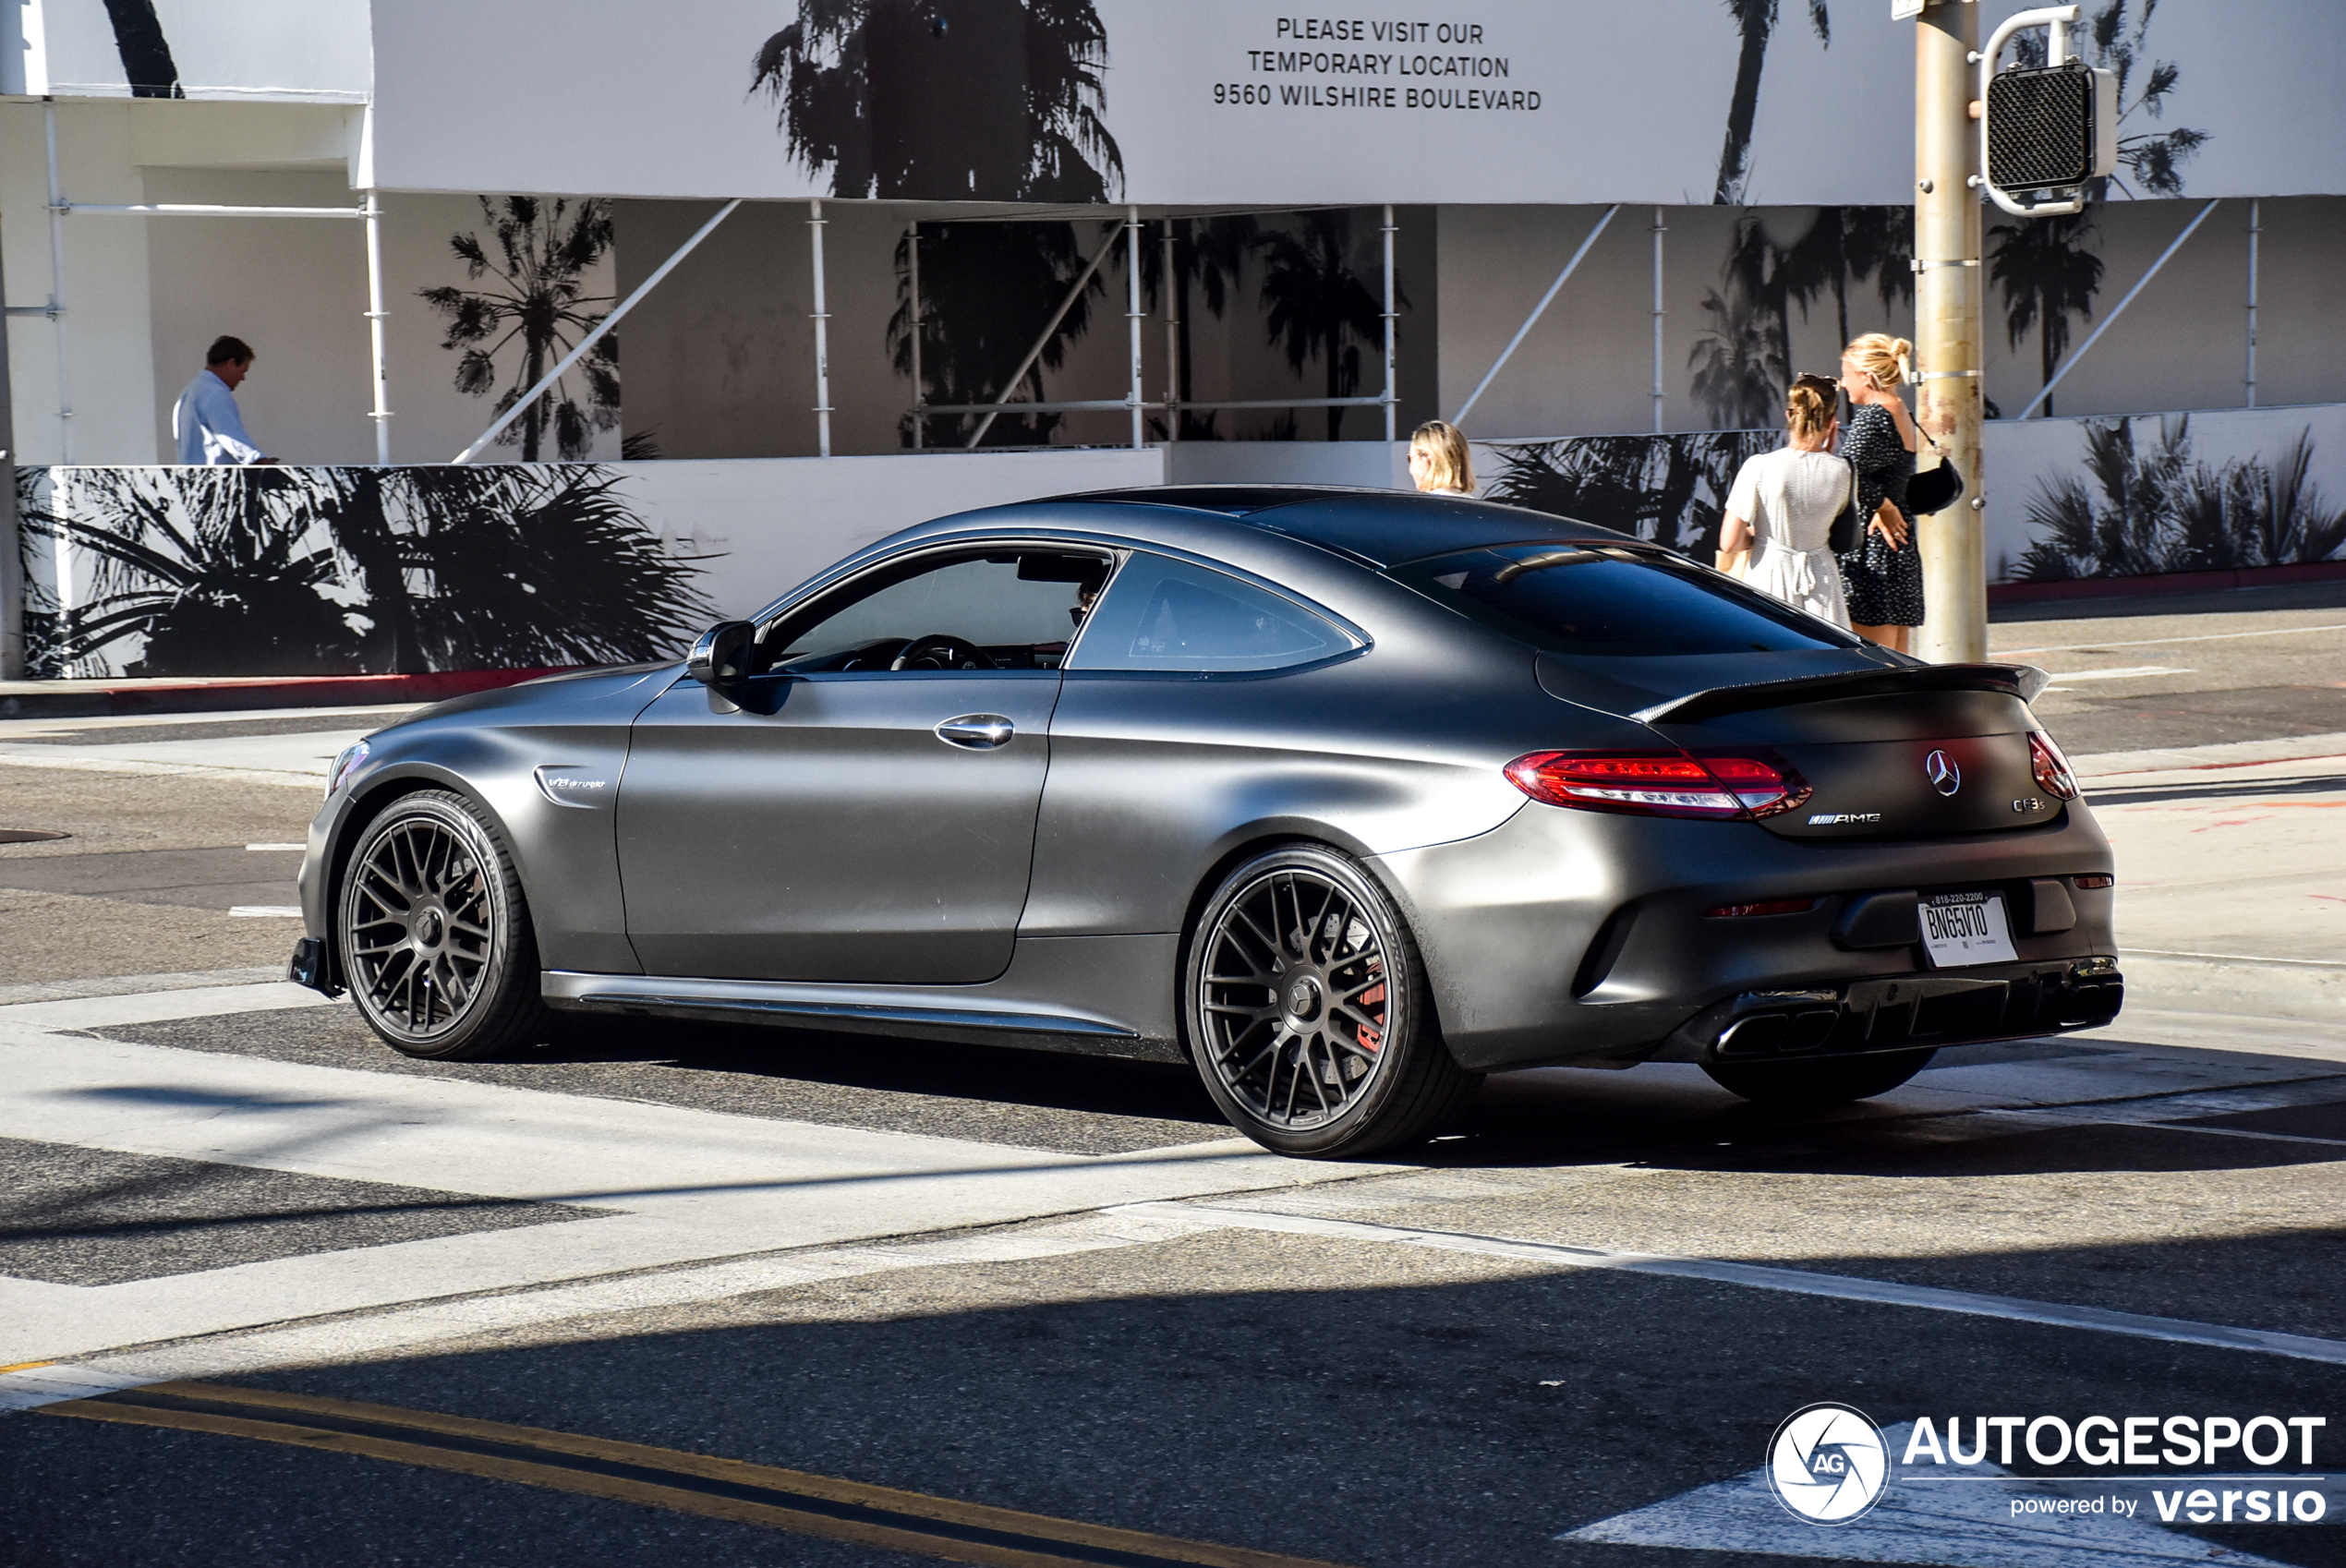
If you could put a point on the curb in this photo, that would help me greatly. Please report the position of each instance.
(92, 699)
(2154, 584)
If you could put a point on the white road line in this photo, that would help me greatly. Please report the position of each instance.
(279, 848)
(2227, 958)
(677, 1186)
(2246, 1132)
(267, 912)
(1797, 1281)
(2160, 642)
(2130, 672)
(159, 1007)
(402, 1329)
(30, 756)
(1958, 1527)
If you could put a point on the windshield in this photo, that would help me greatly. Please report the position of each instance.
(1615, 602)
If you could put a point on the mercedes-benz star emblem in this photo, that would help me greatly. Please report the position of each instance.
(1944, 776)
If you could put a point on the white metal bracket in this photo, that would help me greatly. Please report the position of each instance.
(2059, 19)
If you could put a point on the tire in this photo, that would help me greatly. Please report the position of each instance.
(433, 934)
(1308, 1013)
(1795, 1084)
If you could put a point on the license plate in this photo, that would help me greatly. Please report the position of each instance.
(1967, 928)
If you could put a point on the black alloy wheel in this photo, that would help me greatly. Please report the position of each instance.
(435, 940)
(1834, 1081)
(1309, 1013)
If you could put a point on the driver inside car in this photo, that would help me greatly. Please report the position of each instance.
(1004, 612)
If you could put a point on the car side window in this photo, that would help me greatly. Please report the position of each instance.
(1010, 609)
(1164, 614)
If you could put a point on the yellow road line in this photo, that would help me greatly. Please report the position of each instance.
(24, 1367)
(808, 1505)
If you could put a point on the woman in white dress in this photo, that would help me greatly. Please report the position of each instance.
(1780, 510)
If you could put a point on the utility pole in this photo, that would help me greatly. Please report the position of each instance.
(1947, 307)
(11, 545)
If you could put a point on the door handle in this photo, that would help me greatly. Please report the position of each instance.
(978, 731)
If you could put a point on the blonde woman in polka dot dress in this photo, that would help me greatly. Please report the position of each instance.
(1883, 574)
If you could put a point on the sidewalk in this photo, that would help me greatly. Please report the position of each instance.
(2232, 874)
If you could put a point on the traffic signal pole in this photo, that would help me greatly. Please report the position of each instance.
(1948, 308)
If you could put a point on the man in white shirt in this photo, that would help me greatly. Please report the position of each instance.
(205, 421)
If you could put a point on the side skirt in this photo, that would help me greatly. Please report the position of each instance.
(1097, 995)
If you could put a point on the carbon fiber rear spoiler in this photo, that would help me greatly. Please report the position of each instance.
(2022, 681)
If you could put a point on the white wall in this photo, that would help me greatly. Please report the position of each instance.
(1634, 99)
(1587, 368)
(771, 523)
(111, 372)
(312, 50)
(2023, 457)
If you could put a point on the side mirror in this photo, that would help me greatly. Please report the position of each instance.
(721, 657)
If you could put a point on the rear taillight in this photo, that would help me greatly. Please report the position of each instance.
(1660, 783)
(1764, 785)
(2051, 767)
(2094, 880)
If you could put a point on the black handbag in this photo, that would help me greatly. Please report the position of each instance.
(1934, 489)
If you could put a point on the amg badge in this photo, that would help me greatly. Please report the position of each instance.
(1835, 818)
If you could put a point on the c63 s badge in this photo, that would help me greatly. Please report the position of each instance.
(1838, 818)
(2028, 804)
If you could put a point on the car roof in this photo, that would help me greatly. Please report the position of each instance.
(1380, 527)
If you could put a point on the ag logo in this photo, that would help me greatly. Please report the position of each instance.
(1826, 1464)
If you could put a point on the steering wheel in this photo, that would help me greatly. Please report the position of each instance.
(941, 650)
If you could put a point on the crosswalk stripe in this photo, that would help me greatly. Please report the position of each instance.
(1760, 1276)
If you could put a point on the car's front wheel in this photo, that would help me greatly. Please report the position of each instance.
(1309, 1013)
(1794, 1084)
(433, 932)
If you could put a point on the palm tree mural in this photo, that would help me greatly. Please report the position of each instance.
(1672, 489)
(2115, 38)
(1853, 245)
(987, 289)
(1754, 23)
(2150, 506)
(1316, 305)
(1208, 256)
(2048, 273)
(534, 301)
(965, 100)
(260, 570)
(146, 64)
(1743, 362)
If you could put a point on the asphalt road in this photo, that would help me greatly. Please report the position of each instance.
(1052, 1286)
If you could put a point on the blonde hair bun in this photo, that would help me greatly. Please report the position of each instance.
(1807, 411)
(1890, 361)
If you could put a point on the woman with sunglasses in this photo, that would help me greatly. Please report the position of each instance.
(1781, 509)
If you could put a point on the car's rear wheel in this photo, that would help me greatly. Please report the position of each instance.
(434, 935)
(1309, 1013)
(1820, 1083)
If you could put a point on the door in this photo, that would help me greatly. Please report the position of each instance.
(866, 811)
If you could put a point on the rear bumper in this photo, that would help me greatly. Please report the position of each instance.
(1902, 1012)
(1568, 936)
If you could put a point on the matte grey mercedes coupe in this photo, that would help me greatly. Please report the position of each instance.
(1347, 797)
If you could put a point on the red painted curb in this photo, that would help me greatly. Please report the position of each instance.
(2167, 583)
(79, 699)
